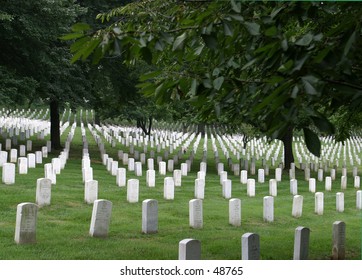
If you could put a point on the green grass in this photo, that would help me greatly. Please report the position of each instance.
(63, 227)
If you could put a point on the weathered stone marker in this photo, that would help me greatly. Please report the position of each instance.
(301, 243)
(150, 216)
(43, 191)
(339, 240)
(340, 202)
(319, 203)
(91, 191)
(297, 206)
(26, 219)
(101, 217)
(195, 213)
(235, 212)
(189, 249)
(132, 190)
(250, 246)
(268, 215)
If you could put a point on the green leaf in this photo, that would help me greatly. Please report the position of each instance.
(350, 42)
(299, 63)
(312, 142)
(236, 6)
(71, 36)
(150, 75)
(80, 27)
(305, 40)
(249, 63)
(323, 124)
(198, 50)
(295, 91)
(217, 83)
(210, 41)
(286, 66)
(272, 31)
(228, 29)
(308, 85)
(252, 27)
(179, 42)
(146, 55)
(193, 88)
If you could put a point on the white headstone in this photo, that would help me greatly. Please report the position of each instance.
(200, 188)
(223, 177)
(23, 165)
(250, 246)
(101, 218)
(278, 174)
(357, 181)
(132, 190)
(131, 164)
(339, 240)
(22, 151)
(39, 157)
(189, 249)
(26, 219)
(121, 177)
(319, 203)
(87, 173)
(29, 145)
(320, 175)
(49, 173)
(195, 213)
(31, 160)
(44, 151)
(43, 191)
(177, 177)
(114, 167)
(359, 200)
(312, 185)
(343, 182)
(151, 178)
(340, 202)
(150, 216)
(138, 168)
(268, 215)
(243, 176)
(297, 206)
(8, 174)
(250, 187)
(150, 164)
(226, 189)
(56, 165)
(170, 165)
(184, 169)
(261, 176)
(3, 157)
(162, 168)
(220, 168)
(301, 243)
(294, 186)
(13, 155)
(273, 187)
(333, 174)
(168, 188)
(90, 191)
(235, 212)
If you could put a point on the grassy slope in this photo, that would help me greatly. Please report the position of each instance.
(62, 231)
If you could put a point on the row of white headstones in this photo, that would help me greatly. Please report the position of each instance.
(195, 205)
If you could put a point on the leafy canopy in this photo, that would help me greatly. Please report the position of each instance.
(275, 65)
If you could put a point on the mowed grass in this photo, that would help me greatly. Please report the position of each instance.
(63, 227)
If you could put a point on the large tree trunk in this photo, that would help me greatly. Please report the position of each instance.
(201, 129)
(54, 125)
(288, 148)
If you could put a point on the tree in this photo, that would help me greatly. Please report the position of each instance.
(34, 61)
(274, 65)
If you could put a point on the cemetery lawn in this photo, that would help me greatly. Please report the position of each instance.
(63, 227)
